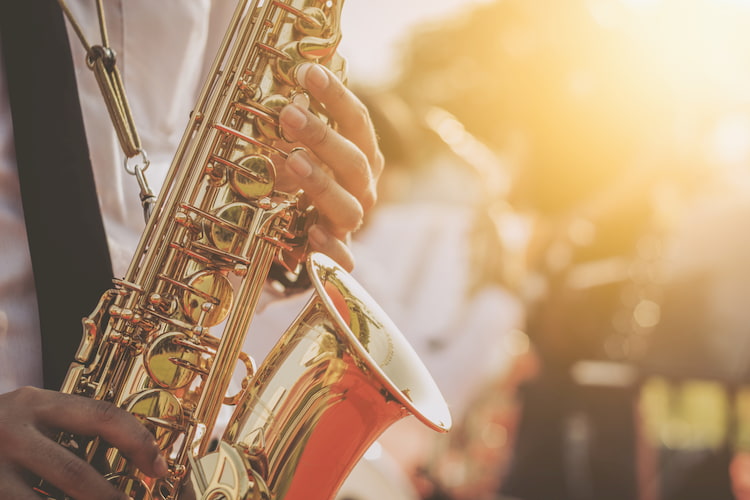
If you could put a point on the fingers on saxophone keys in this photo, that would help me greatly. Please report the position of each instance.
(345, 108)
(336, 204)
(116, 426)
(349, 164)
(63, 469)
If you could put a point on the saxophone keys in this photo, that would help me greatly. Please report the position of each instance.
(161, 412)
(256, 171)
(258, 110)
(188, 365)
(269, 124)
(155, 299)
(231, 132)
(279, 243)
(280, 54)
(286, 62)
(208, 287)
(172, 361)
(165, 424)
(227, 230)
(127, 314)
(311, 21)
(187, 220)
(316, 49)
(240, 270)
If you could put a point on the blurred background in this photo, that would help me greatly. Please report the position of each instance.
(563, 233)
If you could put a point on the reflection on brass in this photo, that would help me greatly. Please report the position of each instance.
(255, 179)
(322, 397)
(211, 295)
(268, 128)
(313, 22)
(229, 236)
(160, 411)
(355, 313)
(169, 363)
(286, 63)
(166, 341)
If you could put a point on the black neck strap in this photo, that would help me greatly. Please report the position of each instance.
(69, 250)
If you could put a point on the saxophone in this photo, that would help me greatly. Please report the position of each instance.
(166, 340)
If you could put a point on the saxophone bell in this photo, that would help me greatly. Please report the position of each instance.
(338, 377)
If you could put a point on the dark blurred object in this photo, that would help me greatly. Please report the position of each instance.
(704, 334)
(692, 341)
(695, 474)
(704, 330)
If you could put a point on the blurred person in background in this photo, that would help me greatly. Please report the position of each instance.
(599, 110)
(435, 255)
(535, 67)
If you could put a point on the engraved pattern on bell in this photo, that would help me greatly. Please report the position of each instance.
(371, 334)
(261, 181)
(168, 363)
(160, 411)
(210, 300)
(326, 347)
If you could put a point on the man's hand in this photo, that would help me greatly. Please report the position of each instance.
(337, 169)
(29, 420)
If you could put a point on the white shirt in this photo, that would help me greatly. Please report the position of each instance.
(163, 51)
(20, 342)
(414, 259)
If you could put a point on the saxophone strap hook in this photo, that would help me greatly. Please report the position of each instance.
(133, 167)
(102, 61)
(138, 169)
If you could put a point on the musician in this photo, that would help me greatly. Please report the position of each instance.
(163, 54)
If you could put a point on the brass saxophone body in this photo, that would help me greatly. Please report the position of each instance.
(165, 341)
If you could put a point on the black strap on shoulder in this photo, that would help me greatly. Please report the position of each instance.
(69, 250)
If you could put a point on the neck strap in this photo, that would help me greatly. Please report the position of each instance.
(66, 235)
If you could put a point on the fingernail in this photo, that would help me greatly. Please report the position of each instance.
(302, 100)
(312, 76)
(317, 236)
(160, 466)
(299, 163)
(293, 117)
